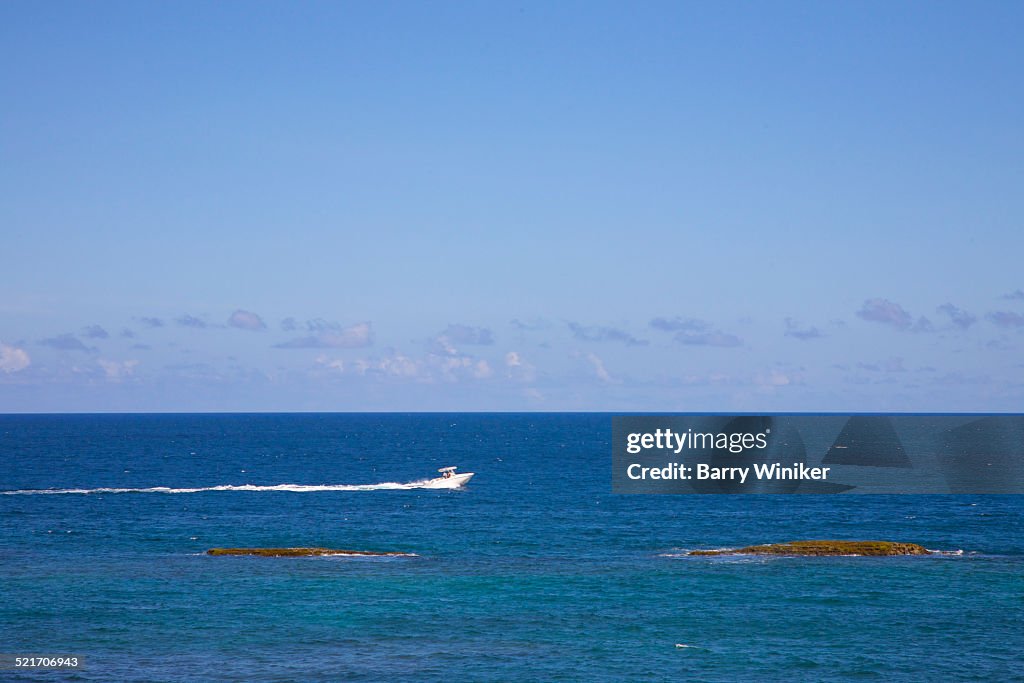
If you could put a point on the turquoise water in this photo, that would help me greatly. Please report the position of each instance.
(534, 572)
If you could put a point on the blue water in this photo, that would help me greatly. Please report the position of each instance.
(534, 572)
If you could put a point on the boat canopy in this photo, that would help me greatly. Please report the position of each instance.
(447, 469)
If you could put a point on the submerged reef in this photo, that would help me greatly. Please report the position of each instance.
(296, 552)
(824, 548)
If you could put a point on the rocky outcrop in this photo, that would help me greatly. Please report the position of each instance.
(296, 552)
(824, 548)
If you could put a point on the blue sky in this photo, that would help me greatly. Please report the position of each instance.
(529, 206)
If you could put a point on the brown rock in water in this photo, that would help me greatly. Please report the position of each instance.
(294, 552)
(824, 548)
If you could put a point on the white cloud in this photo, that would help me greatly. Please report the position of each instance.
(395, 365)
(518, 367)
(467, 334)
(458, 367)
(482, 369)
(117, 370)
(453, 367)
(428, 369)
(352, 337)
(246, 320)
(355, 336)
(599, 369)
(13, 359)
(331, 364)
(773, 378)
(443, 345)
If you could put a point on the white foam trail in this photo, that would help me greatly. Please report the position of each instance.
(685, 552)
(294, 488)
(369, 557)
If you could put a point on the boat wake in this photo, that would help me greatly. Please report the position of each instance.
(293, 488)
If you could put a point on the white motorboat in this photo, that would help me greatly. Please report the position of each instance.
(449, 479)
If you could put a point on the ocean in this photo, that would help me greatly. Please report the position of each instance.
(535, 571)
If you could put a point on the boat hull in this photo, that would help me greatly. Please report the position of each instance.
(453, 482)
